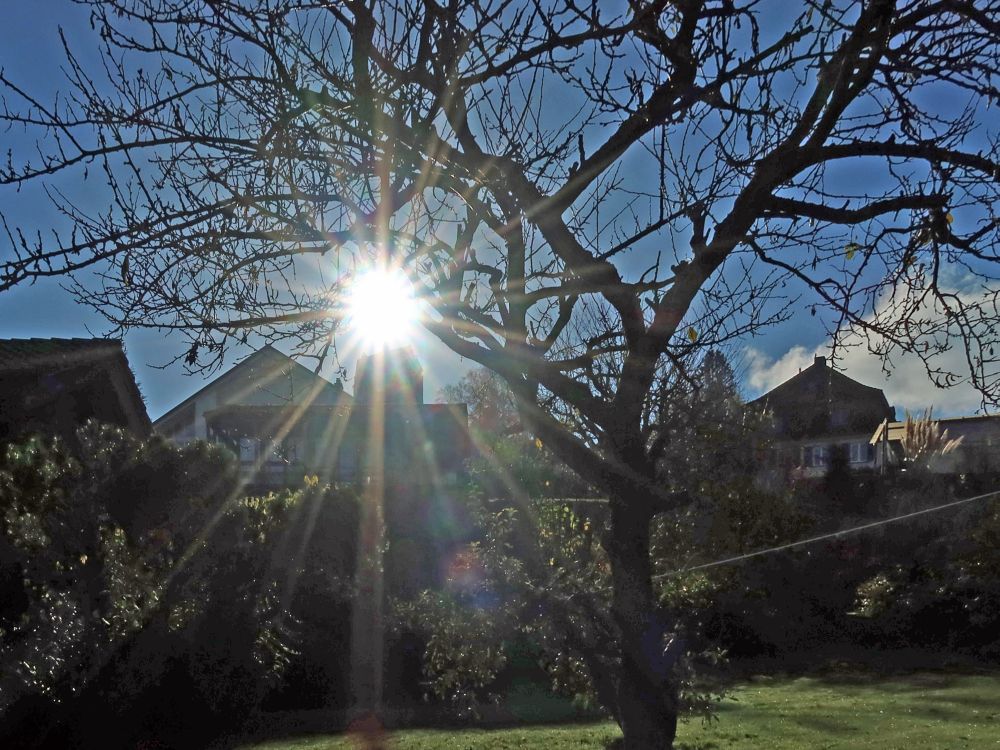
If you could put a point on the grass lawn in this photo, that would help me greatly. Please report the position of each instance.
(927, 711)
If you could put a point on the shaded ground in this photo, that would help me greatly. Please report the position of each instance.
(921, 711)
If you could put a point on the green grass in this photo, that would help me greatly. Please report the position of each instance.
(550, 738)
(926, 711)
(919, 712)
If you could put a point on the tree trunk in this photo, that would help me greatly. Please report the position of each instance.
(647, 692)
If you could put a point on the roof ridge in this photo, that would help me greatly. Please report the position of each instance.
(819, 367)
(64, 339)
(242, 363)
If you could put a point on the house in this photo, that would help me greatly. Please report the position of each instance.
(978, 452)
(52, 386)
(263, 409)
(819, 413)
(285, 422)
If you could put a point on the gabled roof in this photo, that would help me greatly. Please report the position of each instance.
(332, 390)
(817, 374)
(41, 357)
(821, 401)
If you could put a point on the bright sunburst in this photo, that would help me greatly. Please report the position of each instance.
(381, 308)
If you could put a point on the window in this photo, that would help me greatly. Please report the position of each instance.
(861, 453)
(816, 456)
(248, 450)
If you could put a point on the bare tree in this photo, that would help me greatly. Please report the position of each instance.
(582, 194)
(492, 407)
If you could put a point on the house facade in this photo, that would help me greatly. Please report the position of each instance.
(285, 422)
(820, 416)
(978, 453)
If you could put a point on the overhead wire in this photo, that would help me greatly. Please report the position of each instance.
(824, 537)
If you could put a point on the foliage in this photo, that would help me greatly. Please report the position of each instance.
(703, 434)
(744, 607)
(515, 467)
(509, 462)
(944, 591)
(714, 451)
(464, 645)
(492, 406)
(982, 556)
(528, 576)
(923, 440)
(142, 573)
(540, 575)
(87, 582)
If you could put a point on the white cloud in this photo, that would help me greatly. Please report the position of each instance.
(907, 385)
(764, 373)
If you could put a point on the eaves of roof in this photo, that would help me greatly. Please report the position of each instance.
(55, 354)
(229, 374)
(812, 372)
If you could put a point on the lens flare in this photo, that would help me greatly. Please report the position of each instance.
(381, 308)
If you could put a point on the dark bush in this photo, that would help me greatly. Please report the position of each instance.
(156, 604)
(945, 594)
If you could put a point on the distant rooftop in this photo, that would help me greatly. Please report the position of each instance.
(23, 354)
(898, 429)
(60, 364)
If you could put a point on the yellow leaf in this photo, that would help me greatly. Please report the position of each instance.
(949, 217)
(538, 443)
(692, 334)
(850, 249)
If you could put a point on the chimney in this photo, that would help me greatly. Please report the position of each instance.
(819, 361)
(393, 374)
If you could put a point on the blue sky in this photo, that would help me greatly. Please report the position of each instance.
(30, 52)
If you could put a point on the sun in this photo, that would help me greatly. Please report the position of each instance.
(382, 310)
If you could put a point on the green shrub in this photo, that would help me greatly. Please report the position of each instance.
(153, 598)
(538, 581)
(946, 592)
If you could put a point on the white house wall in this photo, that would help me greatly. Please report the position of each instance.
(267, 378)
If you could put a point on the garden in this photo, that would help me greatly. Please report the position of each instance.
(842, 709)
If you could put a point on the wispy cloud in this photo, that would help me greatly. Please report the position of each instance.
(764, 373)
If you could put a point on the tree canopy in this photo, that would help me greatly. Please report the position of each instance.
(575, 189)
(582, 194)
